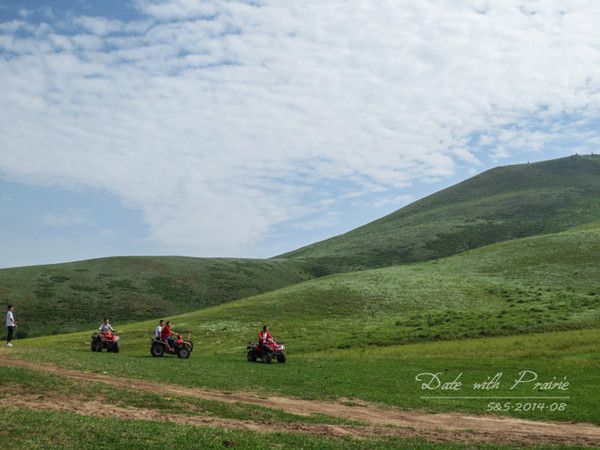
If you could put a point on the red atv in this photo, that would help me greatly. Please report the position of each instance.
(180, 347)
(266, 352)
(108, 340)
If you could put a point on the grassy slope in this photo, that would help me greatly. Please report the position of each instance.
(500, 204)
(342, 330)
(541, 283)
(61, 298)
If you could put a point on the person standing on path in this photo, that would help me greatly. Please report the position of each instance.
(10, 325)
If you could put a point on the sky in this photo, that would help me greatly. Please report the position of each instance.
(249, 128)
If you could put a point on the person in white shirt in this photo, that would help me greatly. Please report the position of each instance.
(105, 326)
(158, 329)
(10, 325)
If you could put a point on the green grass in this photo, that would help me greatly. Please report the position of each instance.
(40, 429)
(382, 374)
(501, 204)
(61, 298)
(385, 375)
(17, 381)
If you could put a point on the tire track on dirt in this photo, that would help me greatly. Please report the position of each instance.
(379, 419)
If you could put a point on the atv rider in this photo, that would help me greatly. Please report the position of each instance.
(265, 339)
(105, 327)
(158, 330)
(166, 335)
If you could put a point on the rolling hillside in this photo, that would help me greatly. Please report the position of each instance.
(69, 297)
(536, 284)
(365, 335)
(541, 283)
(500, 204)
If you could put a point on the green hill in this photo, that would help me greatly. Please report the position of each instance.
(60, 298)
(541, 283)
(500, 204)
(536, 284)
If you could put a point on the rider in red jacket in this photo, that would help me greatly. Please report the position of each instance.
(264, 338)
(166, 334)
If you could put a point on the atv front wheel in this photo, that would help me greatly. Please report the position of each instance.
(157, 350)
(98, 345)
(281, 357)
(251, 356)
(266, 358)
(116, 347)
(183, 353)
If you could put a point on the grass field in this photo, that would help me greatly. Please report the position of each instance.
(42, 429)
(385, 375)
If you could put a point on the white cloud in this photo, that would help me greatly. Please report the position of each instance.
(13, 26)
(178, 9)
(218, 118)
(98, 25)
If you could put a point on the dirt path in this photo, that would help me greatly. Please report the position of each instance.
(380, 420)
(96, 408)
(100, 409)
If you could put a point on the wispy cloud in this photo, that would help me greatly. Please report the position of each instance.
(179, 9)
(219, 118)
(98, 25)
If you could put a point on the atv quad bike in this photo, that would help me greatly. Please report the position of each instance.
(108, 340)
(266, 353)
(182, 348)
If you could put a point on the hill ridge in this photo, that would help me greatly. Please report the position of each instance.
(532, 198)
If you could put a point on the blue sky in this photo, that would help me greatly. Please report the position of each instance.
(250, 128)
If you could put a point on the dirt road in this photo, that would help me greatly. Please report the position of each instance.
(378, 420)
